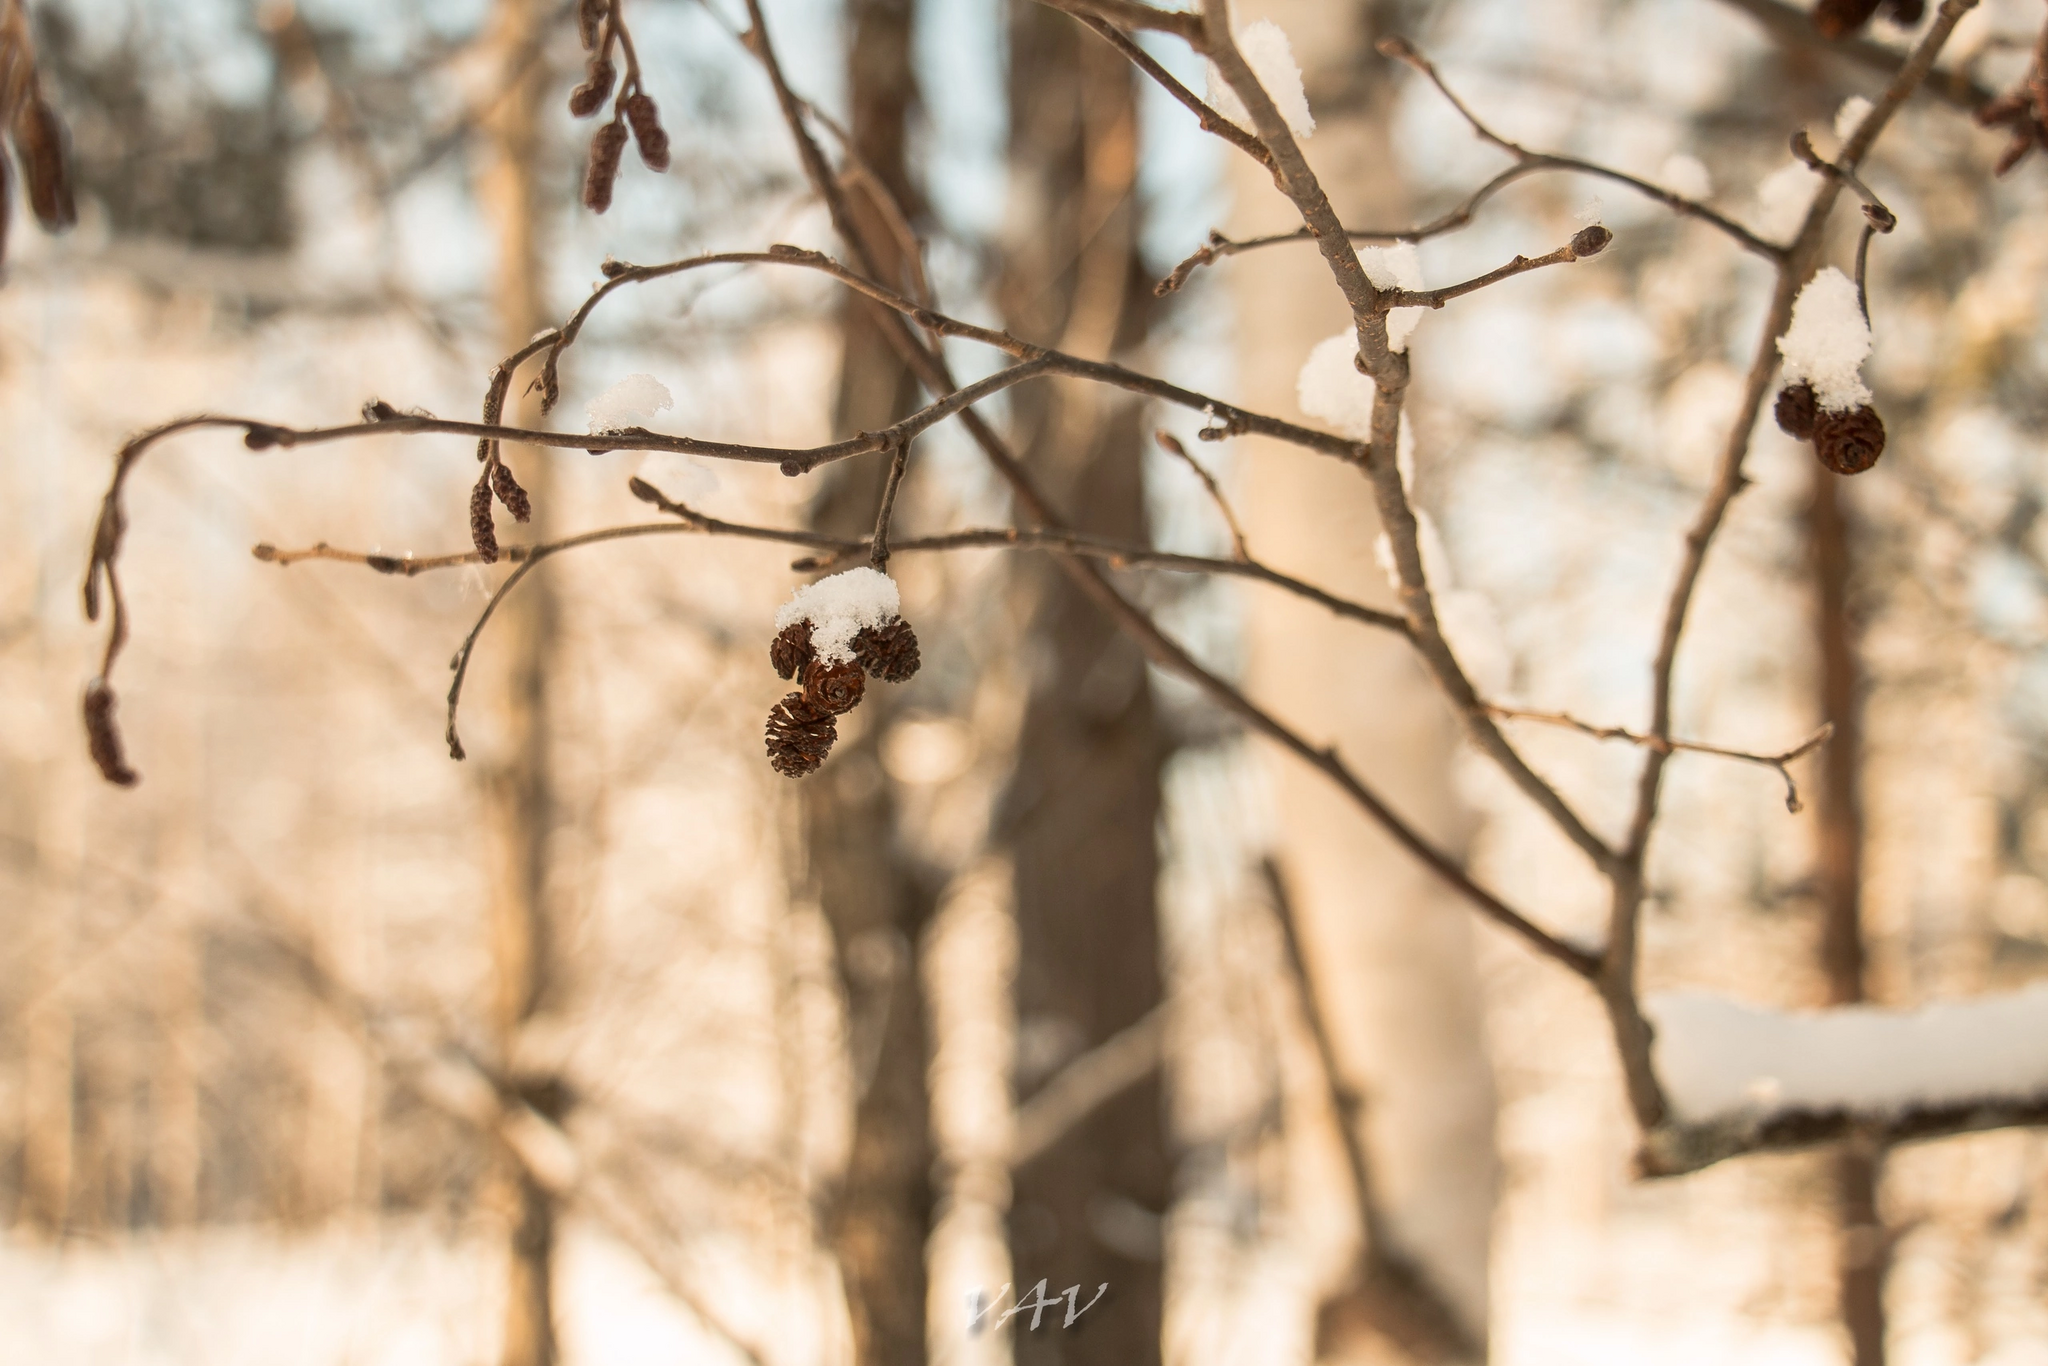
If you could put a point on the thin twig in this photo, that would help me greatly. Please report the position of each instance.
(1666, 745)
(878, 549)
(1170, 443)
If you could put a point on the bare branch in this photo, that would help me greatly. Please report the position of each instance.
(1170, 443)
(1665, 745)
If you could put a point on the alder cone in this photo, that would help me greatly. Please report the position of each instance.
(800, 735)
(1840, 18)
(1850, 442)
(603, 171)
(482, 534)
(791, 649)
(888, 652)
(1796, 409)
(836, 688)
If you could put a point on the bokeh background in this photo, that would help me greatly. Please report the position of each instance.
(610, 1045)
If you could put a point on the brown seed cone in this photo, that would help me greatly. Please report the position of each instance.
(103, 737)
(791, 649)
(836, 688)
(1796, 409)
(603, 171)
(39, 139)
(587, 98)
(800, 735)
(1840, 18)
(1849, 443)
(510, 494)
(482, 533)
(888, 652)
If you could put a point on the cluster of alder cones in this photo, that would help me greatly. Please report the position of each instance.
(599, 25)
(1848, 442)
(803, 726)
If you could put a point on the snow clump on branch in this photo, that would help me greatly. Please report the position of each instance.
(840, 608)
(1827, 342)
(1266, 51)
(632, 402)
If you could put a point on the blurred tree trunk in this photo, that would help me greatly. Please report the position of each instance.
(517, 777)
(880, 1216)
(1082, 805)
(1386, 949)
(1865, 1247)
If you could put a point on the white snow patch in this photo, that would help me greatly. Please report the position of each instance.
(839, 608)
(632, 402)
(1783, 197)
(1331, 388)
(1719, 1058)
(1826, 344)
(1395, 267)
(1592, 211)
(1850, 116)
(1267, 52)
(1404, 452)
(1685, 174)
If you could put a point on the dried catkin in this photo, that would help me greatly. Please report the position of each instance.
(39, 139)
(590, 21)
(510, 494)
(800, 735)
(647, 130)
(888, 652)
(103, 737)
(603, 171)
(587, 98)
(482, 533)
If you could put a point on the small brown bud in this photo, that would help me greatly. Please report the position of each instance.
(482, 534)
(1850, 442)
(647, 130)
(1905, 13)
(377, 410)
(836, 688)
(888, 652)
(1590, 241)
(40, 140)
(791, 649)
(260, 438)
(587, 98)
(1796, 409)
(510, 494)
(103, 737)
(800, 735)
(613, 268)
(1840, 18)
(603, 171)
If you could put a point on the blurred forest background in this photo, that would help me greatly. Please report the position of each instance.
(613, 1046)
